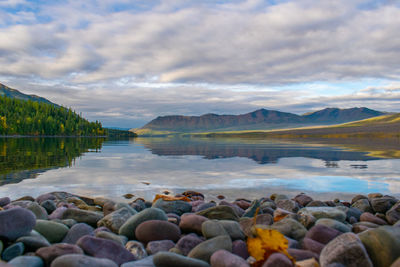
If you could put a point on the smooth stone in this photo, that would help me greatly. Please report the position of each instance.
(116, 219)
(174, 218)
(205, 206)
(280, 214)
(322, 233)
(223, 258)
(334, 224)
(188, 242)
(323, 212)
(44, 197)
(48, 254)
(289, 205)
(278, 197)
(396, 263)
(345, 249)
(146, 262)
(308, 263)
(120, 239)
(136, 249)
(157, 246)
(212, 229)
(76, 260)
(358, 197)
(369, 217)
(239, 211)
(278, 259)
(54, 232)
(77, 231)
(33, 243)
(154, 230)
(83, 216)
(129, 227)
(38, 210)
(4, 201)
(301, 254)
(233, 229)
(239, 247)
(393, 215)
(103, 248)
(219, 213)
(204, 250)
(382, 204)
(57, 213)
(191, 223)
(49, 206)
(251, 211)
(243, 204)
(27, 261)
(353, 212)
(363, 226)
(176, 206)
(312, 245)
(168, 259)
(247, 223)
(303, 199)
(290, 228)
(317, 203)
(382, 244)
(16, 222)
(363, 205)
(13, 251)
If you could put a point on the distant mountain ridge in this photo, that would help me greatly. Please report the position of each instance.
(13, 93)
(259, 119)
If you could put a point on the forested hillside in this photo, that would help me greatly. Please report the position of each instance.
(21, 117)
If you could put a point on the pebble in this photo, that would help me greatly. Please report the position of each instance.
(322, 233)
(77, 231)
(129, 227)
(146, 262)
(278, 259)
(177, 206)
(156, 246)
(76, 260)
(239, 247)
(4, 201)
(136, 249)
(212, 229)
(323, 212)
(312, 245)
(223, 258)
(303, 199)
(382, 204)
(280, 214)
(57, 213)
(290, 228)
(54, 232)
(103, 248)
(302, 254)
(191, 223)
(154, 230)
(188, 242)
(83, 216)
(251, 211)
(48, 254)
(393, 215)
(219, 213)
(15, 250)
(168, 259)
(120, 239)
(34, 242)
(233, 229)
(116, 219)
(27, 261)
(334, 224)
(38, 210)
(205, 206)
(247, 223)
(369, 217)
(204, 250)
(16, 222)
(345, 249)
(49, 206)
(288, 205)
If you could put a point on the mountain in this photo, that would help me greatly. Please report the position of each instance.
(261, 119)
(13, 93)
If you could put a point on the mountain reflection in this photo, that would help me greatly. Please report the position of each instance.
(261, 151)
(23, 158)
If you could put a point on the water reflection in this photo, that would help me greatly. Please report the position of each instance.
(23, 158)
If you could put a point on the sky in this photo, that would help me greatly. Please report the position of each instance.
(126, 62)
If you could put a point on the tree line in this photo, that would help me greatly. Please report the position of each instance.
(21, 117)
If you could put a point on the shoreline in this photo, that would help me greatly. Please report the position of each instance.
(190, 230)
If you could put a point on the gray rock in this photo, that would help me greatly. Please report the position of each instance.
(219, 213)
(33, 242)
(277, 259)
(363, 205)
(4, 201)
(322, 233)
(323, 212)
(168, 259)
(334, 224)
(13, 251)
(251, 211)
(223, 258)
(303, 199)
(212, 229)
(16, 222)
(77, 231)
(382, 244)
(290, 228)
(288, 205)
(345, 249)
(187, 243)
(233, 229)
(393, 215)
(136, 249)
(48, 254)
(111, 236)
(83, 216)
(25, 261)
(146, 262)
(177, 206)
(54, 232)
(76, 260)
(49, 206)
(38, 210)
(116, 219)
(129, 227)
(382, 204)
(157, 246)
(353, 212)
(204, 250)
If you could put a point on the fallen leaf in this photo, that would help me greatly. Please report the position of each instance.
(170, 198)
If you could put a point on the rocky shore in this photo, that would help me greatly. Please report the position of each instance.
(62, 229)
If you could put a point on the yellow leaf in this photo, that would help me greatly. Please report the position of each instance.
(170, 198)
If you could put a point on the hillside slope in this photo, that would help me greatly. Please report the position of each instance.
(13, 93)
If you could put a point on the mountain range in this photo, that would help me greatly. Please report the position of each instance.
(262, 119)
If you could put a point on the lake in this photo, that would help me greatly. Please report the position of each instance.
(232, 167)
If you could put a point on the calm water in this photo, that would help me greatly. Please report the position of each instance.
(231, 167)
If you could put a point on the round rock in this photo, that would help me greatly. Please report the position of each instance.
(223, 258)
(154, 230)
(25, 261)
(204, 250)
(168, 259)
(48, 254)
(54, 232)
(16, 222)
(75, 260)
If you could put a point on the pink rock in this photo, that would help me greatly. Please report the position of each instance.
(301, 254)
(157, 230)
(277, 259)
(369, 217)
(58, 213)
(322, 233)
(48, 254)
(223, 258)
(312, 245)
(192, 223)
(239, 248)
(188, 242)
